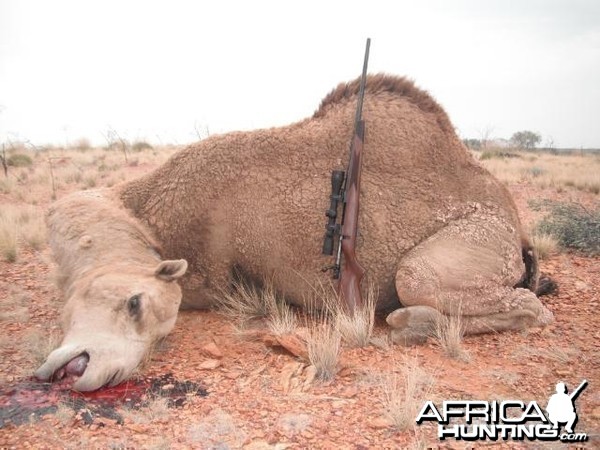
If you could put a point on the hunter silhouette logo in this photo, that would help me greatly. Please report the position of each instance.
(510, 419)
(561, 406)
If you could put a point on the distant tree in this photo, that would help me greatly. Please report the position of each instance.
(3, 160)
(485, 135)
(115, 140)
(527, 140)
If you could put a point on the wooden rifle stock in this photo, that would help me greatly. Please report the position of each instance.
(352, 274)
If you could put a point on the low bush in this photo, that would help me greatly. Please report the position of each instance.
(140, 146)
(19, 160)
(573, 225)
(501, 154)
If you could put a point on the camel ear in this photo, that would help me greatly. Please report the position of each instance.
(171, 270)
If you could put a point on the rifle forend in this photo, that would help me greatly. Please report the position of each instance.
(353, 273)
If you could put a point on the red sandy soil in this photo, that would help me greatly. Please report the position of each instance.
(259, 396)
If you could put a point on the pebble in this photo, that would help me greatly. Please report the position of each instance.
(380, 422)
(209, 364)
(212, 350)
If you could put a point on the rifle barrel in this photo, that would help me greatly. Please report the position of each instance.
(363, 81)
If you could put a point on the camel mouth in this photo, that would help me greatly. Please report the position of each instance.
(74, 368)
(85, 367)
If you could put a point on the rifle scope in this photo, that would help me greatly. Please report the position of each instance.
(337, 180)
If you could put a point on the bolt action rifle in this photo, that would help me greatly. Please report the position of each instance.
(345, 188)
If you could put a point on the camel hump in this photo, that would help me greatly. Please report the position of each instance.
(383, 83)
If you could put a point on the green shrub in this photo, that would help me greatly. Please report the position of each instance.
(495, 153)
(140, 146)
(19, 160)
(536, 171)
(573, 225)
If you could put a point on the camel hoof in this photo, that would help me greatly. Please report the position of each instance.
(412, 325)
(408, 338)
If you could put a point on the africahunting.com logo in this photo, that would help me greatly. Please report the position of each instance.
(510, 419)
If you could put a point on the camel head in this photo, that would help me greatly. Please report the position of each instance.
(112, 318)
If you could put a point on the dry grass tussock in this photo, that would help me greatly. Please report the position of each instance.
(545, 244)
(20, 226)
(404, 391)
(324, 344)
(449, 331)
(242, 302)
(328, 321)
(579, 171)
(245, 302)
(355, 327)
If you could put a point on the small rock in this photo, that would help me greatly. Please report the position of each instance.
(596, 413)
(168, 387)
(209, 364)
(380, 422)
(562, 372)
(293, 344)
(346, 371)
(212, 350)
(288, 372)
(582, 286)
(310, 373)
(350, 391)
(233, 375)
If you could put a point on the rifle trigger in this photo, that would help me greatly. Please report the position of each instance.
(328, 267)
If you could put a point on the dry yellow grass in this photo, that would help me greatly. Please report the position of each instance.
(53, 173)
(8, 235)
(449, 331)
(20, 226)
(545, 244)
(324, 343)
(579, 171)
(404, 391)
(54, 170)
(323, 339)
(355, 327)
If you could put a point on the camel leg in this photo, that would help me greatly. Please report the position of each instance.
(467, 269)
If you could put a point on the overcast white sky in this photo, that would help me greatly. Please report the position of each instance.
(156, 70)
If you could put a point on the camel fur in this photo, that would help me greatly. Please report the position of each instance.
(439, 235)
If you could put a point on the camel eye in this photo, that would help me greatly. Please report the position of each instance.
(134, 303)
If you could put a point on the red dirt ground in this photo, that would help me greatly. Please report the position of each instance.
(257, 396)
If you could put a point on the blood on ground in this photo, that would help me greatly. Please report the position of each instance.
(32, 399)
